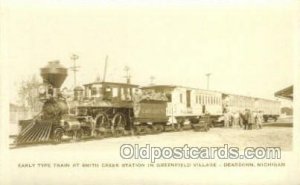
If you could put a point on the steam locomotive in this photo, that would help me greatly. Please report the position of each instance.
(112, 109)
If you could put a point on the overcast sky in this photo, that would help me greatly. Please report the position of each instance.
(247, 49)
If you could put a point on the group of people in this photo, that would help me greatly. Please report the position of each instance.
(247, 119)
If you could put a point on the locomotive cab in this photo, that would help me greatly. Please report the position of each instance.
(109, 91)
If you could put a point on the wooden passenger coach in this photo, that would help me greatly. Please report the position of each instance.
(238, 103)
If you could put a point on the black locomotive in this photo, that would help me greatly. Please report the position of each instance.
(105, 109)
(46, 125)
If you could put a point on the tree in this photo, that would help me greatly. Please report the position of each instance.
(29, 94)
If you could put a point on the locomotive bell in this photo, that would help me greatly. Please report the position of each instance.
(54, 73)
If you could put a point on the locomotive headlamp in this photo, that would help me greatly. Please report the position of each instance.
(66, 125)
(42, 89)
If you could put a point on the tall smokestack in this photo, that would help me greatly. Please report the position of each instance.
(54, 73)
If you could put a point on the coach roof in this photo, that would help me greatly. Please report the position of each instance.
(176, 86)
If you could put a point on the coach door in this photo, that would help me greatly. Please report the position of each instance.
(188, 98)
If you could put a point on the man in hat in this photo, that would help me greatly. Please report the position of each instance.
(246, 119)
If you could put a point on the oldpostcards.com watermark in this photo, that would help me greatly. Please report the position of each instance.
(148, 152)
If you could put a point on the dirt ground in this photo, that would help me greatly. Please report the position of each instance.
(266, 137)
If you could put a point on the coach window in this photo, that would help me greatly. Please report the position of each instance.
(128, 93)
(180, 98)
(169, 97)
(94, 91)
(122, 96)
(114, 92)
(108, 93)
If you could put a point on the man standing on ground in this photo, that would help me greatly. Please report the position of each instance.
(252, 120)
(259, 120)
(236, 119)
(247, 118)
(227, 119)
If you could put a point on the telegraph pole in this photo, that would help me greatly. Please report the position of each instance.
(207, 78)
(152, 78)
(105, 68)
(74, 57)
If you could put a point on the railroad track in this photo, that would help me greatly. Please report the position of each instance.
(68, 140)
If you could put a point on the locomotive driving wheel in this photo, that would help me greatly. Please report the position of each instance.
(102, 125)
(177, 127)
(57, 135)
(78, 134)
(118, 124)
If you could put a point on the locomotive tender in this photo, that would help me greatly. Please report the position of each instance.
(103, 109)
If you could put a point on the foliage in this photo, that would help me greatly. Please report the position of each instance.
(29, 95)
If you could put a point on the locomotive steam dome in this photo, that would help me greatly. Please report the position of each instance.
(54, 73)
